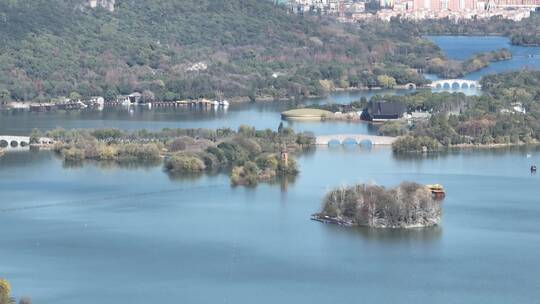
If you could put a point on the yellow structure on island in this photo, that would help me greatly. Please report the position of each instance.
(437, 190)
(306, 114)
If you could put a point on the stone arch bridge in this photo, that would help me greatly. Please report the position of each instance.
(9, 142)
(454, 84)
(325, 140)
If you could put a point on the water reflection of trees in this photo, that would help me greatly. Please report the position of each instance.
(183, 177)
(418, 156)
(108, 165)
(428, 234)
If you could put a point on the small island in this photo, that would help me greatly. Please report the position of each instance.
(306, 114)
(409, 205)
(249, 156)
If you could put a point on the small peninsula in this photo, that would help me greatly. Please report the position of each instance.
(409, 205)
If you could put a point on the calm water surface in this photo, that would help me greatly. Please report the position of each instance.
(132, 234)
(261, 115)
(135, 234)
(463, 47)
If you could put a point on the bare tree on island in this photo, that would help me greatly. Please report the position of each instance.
(408, 205)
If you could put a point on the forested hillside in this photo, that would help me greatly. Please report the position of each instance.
(51, 48)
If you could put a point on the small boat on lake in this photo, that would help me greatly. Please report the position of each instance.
(437, 190)
(533, 169)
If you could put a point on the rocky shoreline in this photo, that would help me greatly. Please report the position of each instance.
(409, 205)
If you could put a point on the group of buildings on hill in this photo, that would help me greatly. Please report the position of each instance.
(356, 10)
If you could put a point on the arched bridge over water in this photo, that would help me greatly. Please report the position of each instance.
(9, 142)
(325, 140)
(455, 84)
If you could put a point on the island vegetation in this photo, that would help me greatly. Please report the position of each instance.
(5, 294)
(507, 113)
(250, 155)
(409, 205)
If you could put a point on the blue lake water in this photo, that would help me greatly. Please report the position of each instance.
(261, 115)
(463, 47)
(135, 234)
(132, 234)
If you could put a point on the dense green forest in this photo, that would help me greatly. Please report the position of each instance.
(251, 48)
(246, 48)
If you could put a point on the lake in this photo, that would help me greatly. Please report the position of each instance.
(262, 115)
(464, 47)
(132, 234)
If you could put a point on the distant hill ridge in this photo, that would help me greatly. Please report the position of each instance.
(249, 48)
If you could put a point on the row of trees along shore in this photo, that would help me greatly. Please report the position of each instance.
(507, 113)
(250, 155)
(408, 205)
(210, 49)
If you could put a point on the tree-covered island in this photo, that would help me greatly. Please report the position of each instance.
(250, 155)
(409, 205)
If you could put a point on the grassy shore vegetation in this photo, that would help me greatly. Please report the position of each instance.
(410, 143)
(250, 155)
(5, 294)
(508, 113)
(405, 206)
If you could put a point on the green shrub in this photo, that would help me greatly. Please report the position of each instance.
(247, 175)
(268, 161)
(393, 128)
(107, 134)
(184, 163)
(291, 168)
(139, 151)
(73, 154)
(415, 144)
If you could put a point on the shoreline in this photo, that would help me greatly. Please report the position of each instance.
(343, 222)
(493, 146)
(26, 105)
(502, 35)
